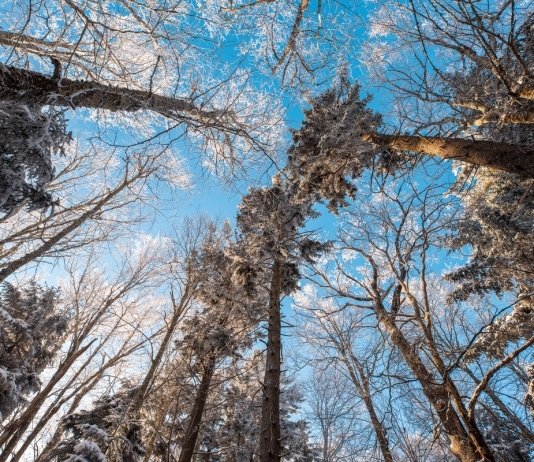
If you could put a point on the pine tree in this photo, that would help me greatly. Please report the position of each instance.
(223, 329)
(32, 329)
(232, 431)
(270, 222)
(88, 435)
(29, 137)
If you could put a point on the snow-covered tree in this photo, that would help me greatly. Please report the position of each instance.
(88, 435)
(29, 138)
(223, 329)
(507, 446)
(232, 430)
(33, 325)
(270, 222)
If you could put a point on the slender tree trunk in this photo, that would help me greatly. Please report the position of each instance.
(362, 386)
(43, 421)
(191, 436)
(154, 432)
(48, 245)
(270, 444)
(139, 397)
(524, 430)
(377, 424)
(436, 393)
(57, 434)
(15, 429)
(508, 158)
(22, 86)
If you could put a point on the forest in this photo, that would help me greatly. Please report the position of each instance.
(266, 230)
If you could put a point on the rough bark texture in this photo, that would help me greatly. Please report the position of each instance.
(23, 86)
(270, 444)
(436, 393)
(191, 436)
(509, 158)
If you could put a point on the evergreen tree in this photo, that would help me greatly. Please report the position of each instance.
(88, 435)
(232, 431)
(506, 445)
(270, 222)
(29, 137)
(223, 329)
(32, 330)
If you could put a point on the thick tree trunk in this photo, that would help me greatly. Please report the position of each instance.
(21, 86)
(191, 436)
(508, 158)
(436, 393)
(270, 444)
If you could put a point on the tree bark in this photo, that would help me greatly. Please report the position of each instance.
(270, 444)
(21, 86)
(191, 436)
(508, 158)
(436, 393)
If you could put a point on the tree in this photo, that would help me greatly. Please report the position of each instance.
(390, 240)
(30, 137)
(344, 380)
(92, 299)
(232, 430)
(269, 222)
(94, 212)
(33, 327)
(454, 65)
(88, 434)
(222, 330)
(333, 411)
(339, 140)
(215, 75)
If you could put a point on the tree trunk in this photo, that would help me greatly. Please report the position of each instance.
(508, 158)
(436, 393)
(21, 86)
(56, 437)
(377, 424)
(270, 444)
(362, 386)
(524, 431)
(48, 245)
(191, 436)
(139, 397)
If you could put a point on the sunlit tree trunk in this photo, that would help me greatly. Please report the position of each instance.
(508, 158)
(436, 393)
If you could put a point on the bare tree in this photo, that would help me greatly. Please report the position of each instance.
(393, 235)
